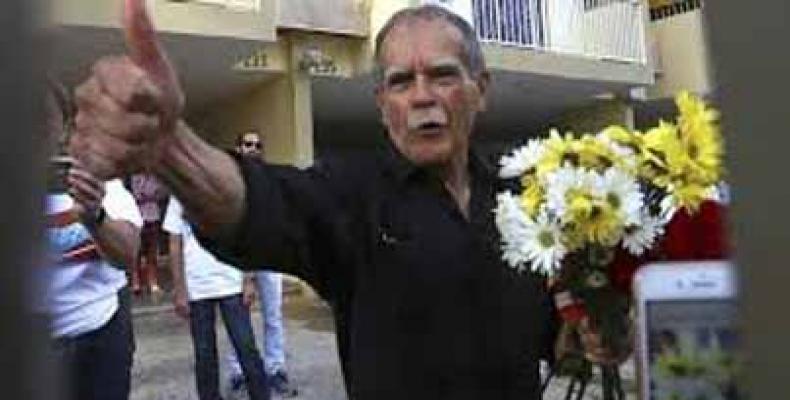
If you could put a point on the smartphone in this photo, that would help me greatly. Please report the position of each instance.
(687, 332)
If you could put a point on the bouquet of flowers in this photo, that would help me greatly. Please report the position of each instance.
(590, 208)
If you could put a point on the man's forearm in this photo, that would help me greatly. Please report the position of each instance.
(118, 242)
(205, 179)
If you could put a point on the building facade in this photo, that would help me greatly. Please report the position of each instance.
(298, 71)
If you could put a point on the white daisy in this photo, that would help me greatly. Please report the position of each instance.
(527, 242)
(565, 179)
(544, 247)
(640, 237)
(521, 160)
(513, 225)
(622, 192)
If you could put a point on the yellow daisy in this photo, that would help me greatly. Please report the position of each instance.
(664, 156)
(700, 136)
(558, 150)
(532, 197)
(594, 154)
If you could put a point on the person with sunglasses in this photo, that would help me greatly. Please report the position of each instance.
(270, 290)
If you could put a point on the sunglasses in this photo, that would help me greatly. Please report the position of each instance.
(256, 145)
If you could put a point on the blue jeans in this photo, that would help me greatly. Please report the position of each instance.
(236, 317)
(270, 292)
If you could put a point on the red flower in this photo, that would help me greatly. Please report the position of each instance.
(700, 236)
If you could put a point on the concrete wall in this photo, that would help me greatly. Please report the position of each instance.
(347, 55)
(175, 17)
(349, 17)
(562, 65)
(270, 109)
(683, 60)
(280, 109)
(382, 10)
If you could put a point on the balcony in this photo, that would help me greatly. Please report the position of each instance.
(238, 5)
(250, 20)
(204, 38)
(344, 17)
(598, 29)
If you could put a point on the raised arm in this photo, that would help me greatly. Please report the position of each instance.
(250, 214)
(129, 120)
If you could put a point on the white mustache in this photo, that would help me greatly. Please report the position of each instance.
(417, 120)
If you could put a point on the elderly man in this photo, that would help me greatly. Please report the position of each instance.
(403, 244)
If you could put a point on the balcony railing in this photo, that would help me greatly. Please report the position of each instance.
(666, 9)
(603, 29)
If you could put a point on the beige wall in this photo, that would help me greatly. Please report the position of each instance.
(381, 11)
(349, 55)
(349, 17)
(682, 52)
(280, 109)
(175, 17)
(563, 65)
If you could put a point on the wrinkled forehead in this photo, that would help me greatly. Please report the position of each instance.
(421, 42)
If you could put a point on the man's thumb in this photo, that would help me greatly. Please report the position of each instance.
(141, 41)
(146, 51)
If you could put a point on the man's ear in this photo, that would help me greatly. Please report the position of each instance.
(483, 81)
(379, 93)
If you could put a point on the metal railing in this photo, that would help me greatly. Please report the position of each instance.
(603, 29)
(510, 22)
(674, 8)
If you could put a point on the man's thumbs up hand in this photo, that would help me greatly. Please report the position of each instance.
(146, 52)
(130, 105)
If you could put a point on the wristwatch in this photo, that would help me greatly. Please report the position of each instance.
(96, 219)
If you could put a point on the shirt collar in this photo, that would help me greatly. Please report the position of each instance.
(403, 169)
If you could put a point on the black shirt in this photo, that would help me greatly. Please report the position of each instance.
(424, 306)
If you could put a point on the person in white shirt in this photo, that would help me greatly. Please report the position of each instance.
(93, 233)
(201, 284)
